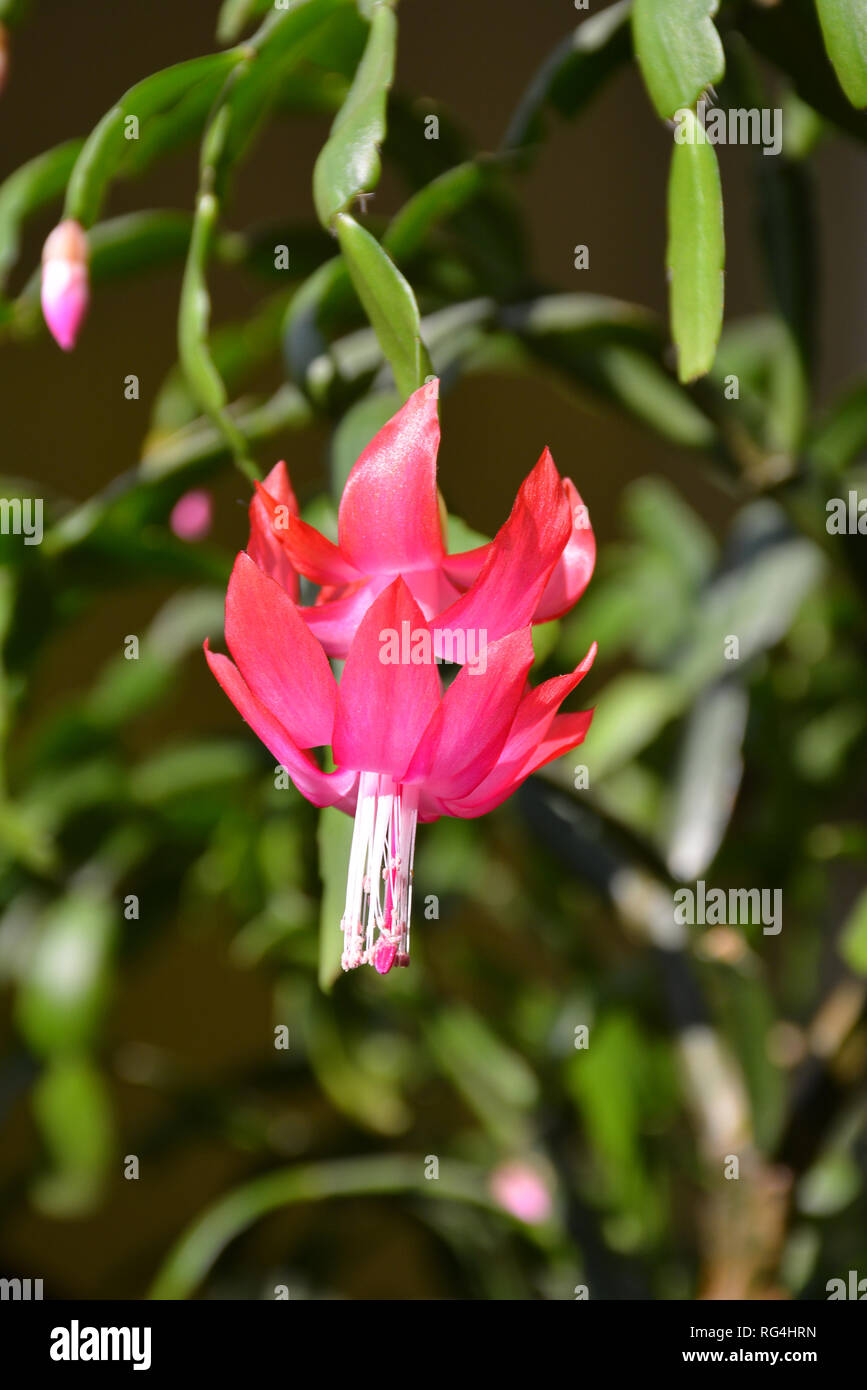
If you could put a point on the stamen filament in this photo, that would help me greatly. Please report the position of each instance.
(376, 919)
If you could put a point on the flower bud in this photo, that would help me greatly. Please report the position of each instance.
(191, 515)
(65, 285)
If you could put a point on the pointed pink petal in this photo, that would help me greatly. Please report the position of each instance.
(533, 740)
(520, 560)
(279, 658)
(389, 514)
(263, 545)
(321, 788)
(384, 708)
(572, 572)
(467, 732)
(311, 553)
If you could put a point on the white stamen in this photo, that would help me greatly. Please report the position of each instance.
(375, 921)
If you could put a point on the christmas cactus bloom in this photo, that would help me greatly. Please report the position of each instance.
(403, 750)
(390, 523)
(65, 282)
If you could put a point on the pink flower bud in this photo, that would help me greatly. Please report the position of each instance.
(191, 515)
(521, 1191)
(65, 286)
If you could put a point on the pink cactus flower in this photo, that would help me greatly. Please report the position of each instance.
(192, 515)
(65, 282)
(389, 523)
(520, 1190)
(403, 750)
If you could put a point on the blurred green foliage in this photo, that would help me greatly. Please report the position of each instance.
(556, 912)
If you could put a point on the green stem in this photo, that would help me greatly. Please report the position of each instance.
(198, 1249)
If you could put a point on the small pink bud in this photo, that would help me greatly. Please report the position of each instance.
(65, 285)
(521, 1191)
(191, 515)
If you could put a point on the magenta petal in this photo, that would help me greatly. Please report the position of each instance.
(311, 553)
(335, 621)
(520, 560)
(383, 707)
(278, 657)
(530, 742)
(263, 545)
(389, 513)
(321, 788)
(468, 730)
(573, 570)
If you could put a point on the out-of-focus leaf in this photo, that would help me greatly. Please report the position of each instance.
(496, 1081)
(348, 163)
(679, 50)
(388, 302)
(786, 223)
(830, 1186)
(199, 1247)
(612, 348)
(106, 146)
(573, 73)
(130, 685)
(853, 937)
(191, 768)
(304, 340)
(354, 433)
(755, 601)
(440, 199)
(844, 26)
(609, 1080)
(586, 320)
(663, 521)
(631, 712)
(13, 11)
(707, 779)
(841, 435)
(27, 190)
(334, 839)
(822, 746)
(63, 997)
(239, 350)
(73, 1111)
(790, 37)
(136, 242)
(803, 127)
(696, 252)
(235, 15)
(371, 1098)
